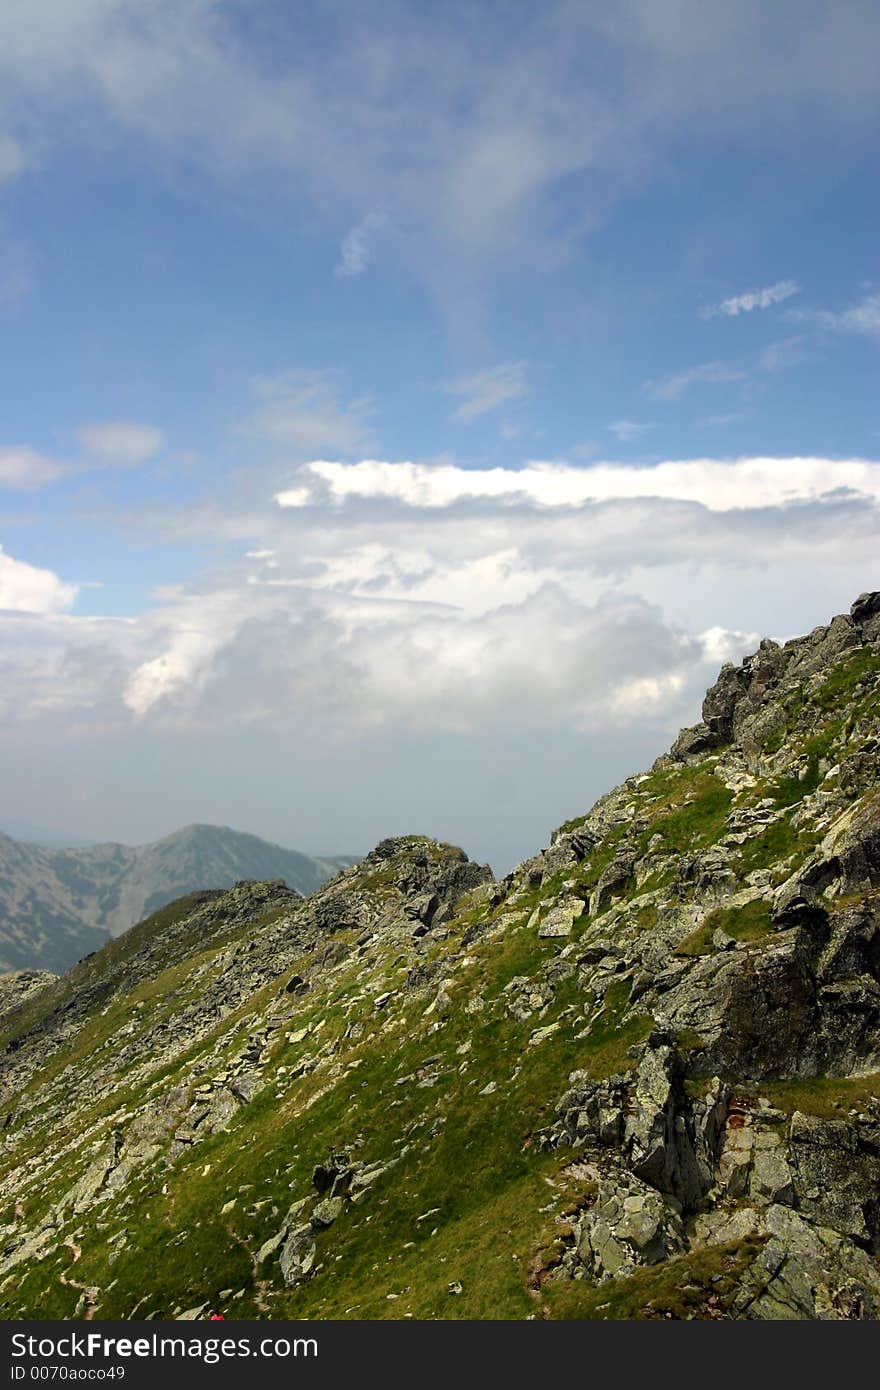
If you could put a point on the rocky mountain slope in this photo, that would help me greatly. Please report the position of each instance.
(58, 905)
(638, 1077)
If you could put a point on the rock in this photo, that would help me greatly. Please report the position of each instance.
(327, 1211)
(612, 881)
(836, 1177)
(334, 1176)
(268, 1248)
(298, 1255)
(629, 1225)
(693, 742)
(866, 607)
(246, 1085)
(561, 918)
(806, 1272)
(16, 986)
(796, 904)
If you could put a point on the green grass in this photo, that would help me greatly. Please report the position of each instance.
(772, 845)
(695, 820)
(477, 1169)
(829, 1097)
(747, 924)
(839, 685)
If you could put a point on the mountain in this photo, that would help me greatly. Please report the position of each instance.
(637, 1077)
(57, 905)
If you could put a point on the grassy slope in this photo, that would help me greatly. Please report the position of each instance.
(471, 1201)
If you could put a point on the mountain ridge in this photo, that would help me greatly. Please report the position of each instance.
(638, 1076)
(57, 905)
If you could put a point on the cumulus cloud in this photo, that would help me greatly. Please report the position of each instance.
(750, 300)
(374, 640)
(718, 485)
(300, 656)
(429, 612)
(28, 589)
(191, 633)
(488, 390)
(669, 388)
(120, 443)
(354, 253)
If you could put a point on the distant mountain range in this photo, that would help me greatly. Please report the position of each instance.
(57, 905)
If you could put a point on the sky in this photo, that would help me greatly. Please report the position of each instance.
(407, 408)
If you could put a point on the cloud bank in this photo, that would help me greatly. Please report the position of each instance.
(410, 623)
(717, 485)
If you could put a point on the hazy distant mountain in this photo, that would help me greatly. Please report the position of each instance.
(56, 905)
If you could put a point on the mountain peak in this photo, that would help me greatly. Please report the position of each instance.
(58, 905)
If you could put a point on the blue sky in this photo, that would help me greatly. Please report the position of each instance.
(284, 286)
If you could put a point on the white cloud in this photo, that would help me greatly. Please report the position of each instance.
(437, 637)
(466, 144)
(301, 412)
(669, 388)
(859, 318)
(27, 589)
(750, 300)
(627, 430)
(375, 662)
(23, 469)
(746, 483)
(122, 443)
(119, 443)
(354, 253)
(191, 632)
(487, 390)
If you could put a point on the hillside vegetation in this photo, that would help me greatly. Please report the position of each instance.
(637, 1077)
